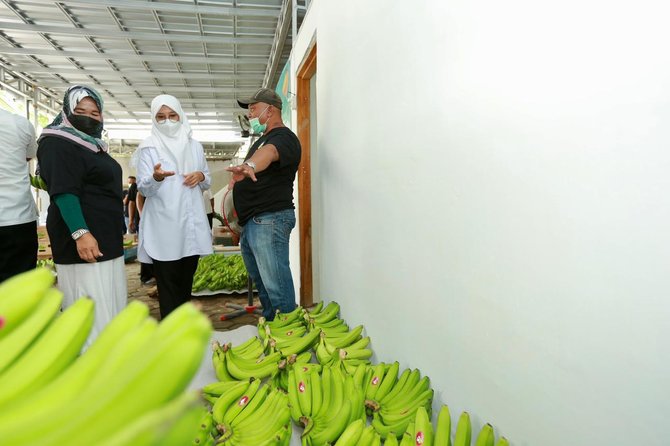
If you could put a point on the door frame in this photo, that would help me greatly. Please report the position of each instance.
(304, 74)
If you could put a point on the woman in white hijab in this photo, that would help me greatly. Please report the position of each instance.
(172, 172)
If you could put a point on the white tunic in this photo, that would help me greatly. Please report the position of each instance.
(174, 223)
(17, 143)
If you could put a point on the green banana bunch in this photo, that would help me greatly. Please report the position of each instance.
(19, 297)
(298, 345)
(341, 404)
(486, 436)
(218, 271)
(139, 387)
(399, 407)
(443, 427)
(463, 433)
(244, 368)
(121, 334)
(330, 312)
(267, 423)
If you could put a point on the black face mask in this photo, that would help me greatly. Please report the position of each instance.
(86, 124)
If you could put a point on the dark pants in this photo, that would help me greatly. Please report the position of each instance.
(210, 219)
(174, 280)
(146, 272)
(18, 249)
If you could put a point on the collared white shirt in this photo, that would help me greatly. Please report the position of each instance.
(17, 143)
(173, 224)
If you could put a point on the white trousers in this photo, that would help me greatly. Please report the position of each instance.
(104, 282)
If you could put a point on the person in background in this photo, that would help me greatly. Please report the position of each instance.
(172, 172)
(125, 211)
(18, 219)
(263, 198)
(146, 269)
(85, 216)
(208, 201)
(133, 215)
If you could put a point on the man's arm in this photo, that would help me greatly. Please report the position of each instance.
(262, 158)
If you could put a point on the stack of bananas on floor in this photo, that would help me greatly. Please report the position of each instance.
(331, 399)
(248, 413)
(127, 388)
(325, 403)
(245, 361)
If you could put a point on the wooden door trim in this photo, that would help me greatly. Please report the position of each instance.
(304, 74)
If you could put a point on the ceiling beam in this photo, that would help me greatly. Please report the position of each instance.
(118, 56)
(139, 5)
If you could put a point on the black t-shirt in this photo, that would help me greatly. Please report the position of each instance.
(132, 196)
(274, 189)
(96, 178)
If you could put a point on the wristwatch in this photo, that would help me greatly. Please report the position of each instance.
(76, 235)
(251, 164)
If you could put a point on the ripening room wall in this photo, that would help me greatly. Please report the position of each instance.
(494, 205)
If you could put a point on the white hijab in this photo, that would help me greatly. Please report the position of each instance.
(176, 146)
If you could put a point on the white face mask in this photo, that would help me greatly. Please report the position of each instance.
(168, 127)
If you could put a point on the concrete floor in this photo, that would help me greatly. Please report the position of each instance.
(213, 306)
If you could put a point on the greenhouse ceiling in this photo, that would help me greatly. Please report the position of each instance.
(207, 53)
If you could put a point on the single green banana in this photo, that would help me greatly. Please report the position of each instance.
(218, 388)
(361, 343)
(397, 388)
(408, 436)
(367, 436)
(372, 386)
(150, 429)
(329, 313)
(486, 436)
(329, 430)
(54, 351)
(443, 427)
(408, 397)
(244, 369)
(302, 344)
(351, 435)
(346, 340)
(463, 433)
(219, 363)
(316, 309)
(227, 400)
(391, 440)
(293, 402)
(390, 379)
(317, 395)
(234, 410)
(389, 429)
(423, 428)
(304, 391)
(16, 342)
(256, 401)
(20, 295)
(502, 441)
(326, 391)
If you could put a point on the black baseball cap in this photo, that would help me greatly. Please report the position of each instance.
(264, 95)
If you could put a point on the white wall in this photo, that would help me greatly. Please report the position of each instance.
(495, 185)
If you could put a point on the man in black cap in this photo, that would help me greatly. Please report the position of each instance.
(263, 198)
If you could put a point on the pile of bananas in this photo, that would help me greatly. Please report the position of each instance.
(322, 369)
(220, 272)
(116, 393)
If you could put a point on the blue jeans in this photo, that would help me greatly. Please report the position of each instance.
(264, 246)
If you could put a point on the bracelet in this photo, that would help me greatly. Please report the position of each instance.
(79, 233)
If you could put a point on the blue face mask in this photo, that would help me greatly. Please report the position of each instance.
(256, 125)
